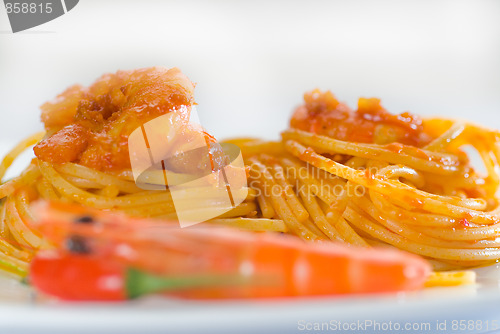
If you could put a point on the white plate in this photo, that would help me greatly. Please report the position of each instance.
(467, 309)
(438, 310)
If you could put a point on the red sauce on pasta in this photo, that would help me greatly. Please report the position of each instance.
(323, 114)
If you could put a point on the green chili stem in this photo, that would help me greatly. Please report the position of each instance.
(139, 283)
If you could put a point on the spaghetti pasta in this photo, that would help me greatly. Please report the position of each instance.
(426, 198)
(405, 183)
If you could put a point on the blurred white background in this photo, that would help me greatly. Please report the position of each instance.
(253, 60)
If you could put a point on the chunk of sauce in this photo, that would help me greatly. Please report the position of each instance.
(91, 125)
(323, 114)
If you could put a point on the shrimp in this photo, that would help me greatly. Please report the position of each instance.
(323, 114)
(91, 125)
(202, 261)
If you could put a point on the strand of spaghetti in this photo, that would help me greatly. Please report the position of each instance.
(334, 217)
(207, 204)
(396, 172)
(7, 248)
(342, 223)
(18, 268)
(279, 204)
(456, 264)
(27, 177)
(6, 244)
(23, 217)
(454, 278)
(491, 165)
(101, 202)
(152, 210)
(329, 182)
(265, 206)
(309, 224)
(22, 205)
(252, 194)
(364, 178)
(303, 175)
(110, 191)
(21, 233)
(329, 179)
(491, 188)
(469, 183)
(362, 203)
(17, 150)
(477, 233)
(263, 201)
(437, 125)
(412, 218)
(440, 265)
(318, 216)
(452, 206)
(82, 183)
(347, 232)
(275, 193)
(446, 138)
(419, 159)
(126, 175)
(496, 151)
(167, 206)
(252, 224)
(202, 193)
(45, 189)
(84, 197)
(356, 162)
(4, 229)
(241, 210)
(387, 236)
(291, 172)
(104, 179)
(290, 197)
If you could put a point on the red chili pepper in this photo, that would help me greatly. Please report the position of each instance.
(77, 277)
(87, 277)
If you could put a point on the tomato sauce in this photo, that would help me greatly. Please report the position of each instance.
(323, 114)
(91, 125)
